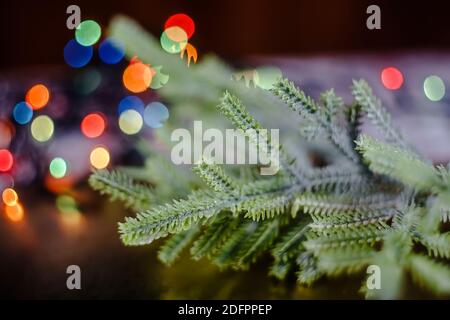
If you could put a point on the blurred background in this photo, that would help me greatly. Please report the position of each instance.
(33, 32)
(318, 44)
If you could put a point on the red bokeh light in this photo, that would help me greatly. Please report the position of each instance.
(392, 78)
(183, 21)
(6, 160)
(93, 125)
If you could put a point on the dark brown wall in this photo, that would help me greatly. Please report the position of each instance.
(34, 32)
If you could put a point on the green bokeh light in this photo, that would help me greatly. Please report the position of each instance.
(66, 204)
(87, 82)
(58, 168)
(174, 39)
(88, 33)
(265, 77)
(434, 88)
(159, 79)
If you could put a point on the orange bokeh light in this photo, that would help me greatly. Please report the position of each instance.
(37, 97)
(14, 213)
(10, 197)
(93, 125)
(137, 77)
(58, 186)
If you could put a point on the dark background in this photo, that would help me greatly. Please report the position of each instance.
(34, 32)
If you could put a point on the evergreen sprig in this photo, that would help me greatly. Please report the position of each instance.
(384, 206)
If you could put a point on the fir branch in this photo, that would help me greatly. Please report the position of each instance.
(316, 115)
(118, 186)
(336, 179)
(226, 254)
(376, 112)
(170, 218)
(179, 215)
(332, 204)
(438, 245)
(332, 105)
(354, 121)
(232, 108)
(291, 244)
(265, 234)
(173, 247)
(430, 274)
(346, 260)
(215, 178)
(365, 234)
(280, 269)
(398, 163)
(308, 270)
(223, 226)
(265, 207)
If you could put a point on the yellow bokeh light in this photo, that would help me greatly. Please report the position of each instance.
(42, 128)
(10, 197)
(130, 122)
(100, 158)
(14, 213)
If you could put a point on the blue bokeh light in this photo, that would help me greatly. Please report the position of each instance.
(76, 55)
(111, 51)
(155, 114)
(131, 102)
(22, 113)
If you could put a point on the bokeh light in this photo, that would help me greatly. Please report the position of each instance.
(87, 81)
(434, 88)
(155, 114)
(191, 53)
(42, 128)
(59, 185)
(137, 77)
(183, 21)
(174, 40)
(58, 168)
(159, 78)
(131, 102)
(392, 78)
(265, 77)
(22, 113)
(130, 122)
(70, 214)
(99, 158)
(6, 160)
(14, 213)
(111, 51)
(10, 197)
(76, 55)
(93, 125)
(66, 204)
(88, 32)
(6, 133)
(37, 97)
